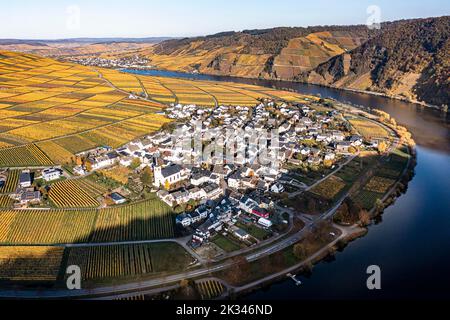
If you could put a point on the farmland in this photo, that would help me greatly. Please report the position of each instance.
(52, 110)
(379, 185)
(46, 105)
(12, 180)
(140, 221)
(70, 194)
(368, 129)
(30, 263)
(330, 188)
(100, 263)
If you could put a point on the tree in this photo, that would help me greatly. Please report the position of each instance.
(328, 163)
(379, 205)
(184, 283)
(88, 166)
(147, 176)
(364, 218)
(240, 270)
(167, 185)
(300, 251)
(135, 163)
(382, 147)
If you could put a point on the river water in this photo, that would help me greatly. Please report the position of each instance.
(412, 242)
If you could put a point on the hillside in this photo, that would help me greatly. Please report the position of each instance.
(281, 53)
(410, 60)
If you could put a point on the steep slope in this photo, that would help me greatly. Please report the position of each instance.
(280, 53)
(409, 59)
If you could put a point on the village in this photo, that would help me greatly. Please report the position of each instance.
(232, 194)
(133, 62)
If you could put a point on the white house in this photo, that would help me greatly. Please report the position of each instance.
(277, 188)
(266, 223)
(52, 174)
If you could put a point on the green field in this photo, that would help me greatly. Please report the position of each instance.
(225, 243)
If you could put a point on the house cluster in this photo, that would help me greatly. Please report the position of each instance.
(25, 193)
(216, 216)
(132, 62)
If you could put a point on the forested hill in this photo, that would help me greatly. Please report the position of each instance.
(409, 59)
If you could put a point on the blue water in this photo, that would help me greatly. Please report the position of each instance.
(412, 242)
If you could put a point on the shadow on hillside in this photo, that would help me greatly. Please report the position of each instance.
(103, 263)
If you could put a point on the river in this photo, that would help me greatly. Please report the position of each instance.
(412, 242)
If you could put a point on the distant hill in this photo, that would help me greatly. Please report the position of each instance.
(281, 53)
(83, 40)
(409, 59)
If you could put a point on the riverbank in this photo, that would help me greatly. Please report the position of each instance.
(195, 76)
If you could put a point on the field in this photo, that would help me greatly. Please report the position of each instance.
(225, 243)
(118, 173)
(141, 221)
(130, 261)
(368, 129)
(210, 289)
(254, 231)
(30, 263)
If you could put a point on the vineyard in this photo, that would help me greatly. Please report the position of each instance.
(12, 181)
(33, 227)
(5, 201)
(132, 261)
(30, 263)
(28, 155)
(210, 289)
(56, 153)
(330, 188)
(379, 185)
(48, 100)
(368, 129)
(72, 194)
(367, 199)
(66, 108)
(140, 221)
